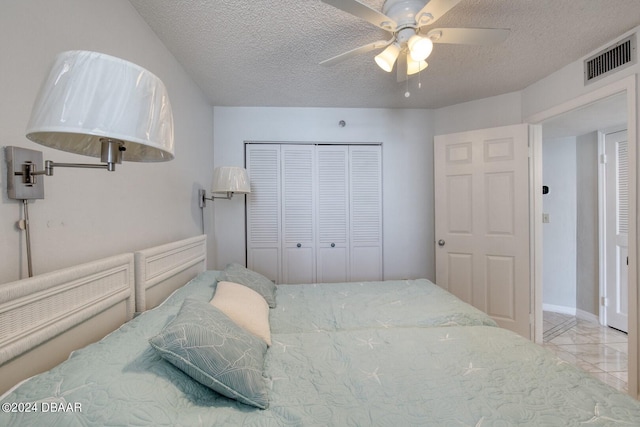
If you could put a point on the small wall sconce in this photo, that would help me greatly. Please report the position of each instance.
(229, 180)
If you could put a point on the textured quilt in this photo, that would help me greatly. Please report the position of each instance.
(387, 376)
(389, 304)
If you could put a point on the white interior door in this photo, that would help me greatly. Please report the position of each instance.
(333, 213)
(482, 222)
(263, 210)
(617, 229)
(298, 214)
(365, 212)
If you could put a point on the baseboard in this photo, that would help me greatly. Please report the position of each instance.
(559, 309)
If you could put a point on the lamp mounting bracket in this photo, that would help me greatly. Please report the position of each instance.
(202, 197)
(22, 168)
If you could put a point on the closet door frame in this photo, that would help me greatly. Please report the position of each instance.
(357, 266)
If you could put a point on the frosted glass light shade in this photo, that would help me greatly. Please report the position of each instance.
(415, 66)
(387, 57)
(419, 47)
(230, 179)
(89, 96)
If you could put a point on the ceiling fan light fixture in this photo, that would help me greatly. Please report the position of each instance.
(387, 57)
(414, 67)
(419, 47)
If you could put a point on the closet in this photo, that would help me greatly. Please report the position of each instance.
(315, 212)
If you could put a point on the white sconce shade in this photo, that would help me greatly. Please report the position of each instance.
(230, 179)
(415, 66)
(387, 57)
(89, 97)
(419, 47)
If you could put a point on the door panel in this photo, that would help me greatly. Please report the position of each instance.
(482, 221)
(298, 212)
(263, 210)
(333, 213)
(365, 188)
(617, 229)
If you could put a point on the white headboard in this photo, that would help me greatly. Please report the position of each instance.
(76, 305)
(162, 269)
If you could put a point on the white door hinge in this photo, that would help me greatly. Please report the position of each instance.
(603, 159)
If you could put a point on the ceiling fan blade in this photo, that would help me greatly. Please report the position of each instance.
(433, 10)
(473, 36)
(365, 12)
(353, 52)
(401, 67)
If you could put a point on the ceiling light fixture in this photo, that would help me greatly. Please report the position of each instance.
(387, 57)
(414, 67)
(419, 47)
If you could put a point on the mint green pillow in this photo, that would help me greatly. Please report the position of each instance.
(209, 347)
(240, 274)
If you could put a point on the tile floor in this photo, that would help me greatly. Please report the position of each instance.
(599, 350)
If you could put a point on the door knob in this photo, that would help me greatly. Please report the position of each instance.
(333, 245)
(299, 245)
(440, 242)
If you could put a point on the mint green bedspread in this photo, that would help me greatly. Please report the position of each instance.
(357, 305)
(406, 375)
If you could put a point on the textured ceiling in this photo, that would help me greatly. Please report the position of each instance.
(267, 52)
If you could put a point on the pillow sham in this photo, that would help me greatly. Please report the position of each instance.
(244, 306)
(209, 347)
(240, 274)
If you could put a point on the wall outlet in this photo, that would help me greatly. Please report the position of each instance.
(545, 218)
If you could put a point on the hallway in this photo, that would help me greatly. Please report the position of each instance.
(599, 350)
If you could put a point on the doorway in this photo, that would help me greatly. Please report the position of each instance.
(585, 213)
(627, 88)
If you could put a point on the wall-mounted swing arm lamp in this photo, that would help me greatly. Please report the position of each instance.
(228, 180)
(95, 105)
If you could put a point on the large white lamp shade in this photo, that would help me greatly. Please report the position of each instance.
(89, 97)
(230, 179)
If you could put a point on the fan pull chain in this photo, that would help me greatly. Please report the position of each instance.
(407, 93)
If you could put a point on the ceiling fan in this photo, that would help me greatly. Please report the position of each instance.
(411, 42)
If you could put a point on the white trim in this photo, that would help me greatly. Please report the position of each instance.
(535, 242)
(602, 232)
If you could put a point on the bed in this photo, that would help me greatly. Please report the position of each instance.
(418, 357)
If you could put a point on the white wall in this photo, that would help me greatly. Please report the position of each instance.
(568, 83)
(89, 214)
(407, 147)
(588, 252)
(501, 110)
(559, 235)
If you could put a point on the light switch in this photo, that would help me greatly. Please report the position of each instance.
(545, 218)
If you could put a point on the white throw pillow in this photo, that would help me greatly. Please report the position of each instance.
(247, 308)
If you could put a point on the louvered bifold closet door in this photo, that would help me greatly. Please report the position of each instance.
(365, 170)
(332, 201)
(263, 210)
(298, 214)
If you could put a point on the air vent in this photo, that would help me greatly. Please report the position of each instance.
(612, 59)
